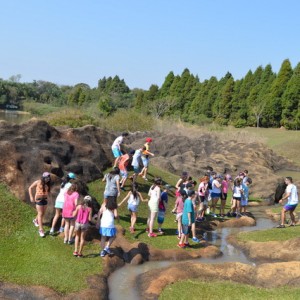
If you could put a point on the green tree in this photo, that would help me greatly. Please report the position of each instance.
(291, 101)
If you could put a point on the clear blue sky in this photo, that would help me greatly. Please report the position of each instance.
(68, 42)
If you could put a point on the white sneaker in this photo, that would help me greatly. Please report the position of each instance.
(41, 232)
(35, 222)
(51, 231)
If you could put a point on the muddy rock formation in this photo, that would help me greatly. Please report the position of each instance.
(29, 149)
(177, 153)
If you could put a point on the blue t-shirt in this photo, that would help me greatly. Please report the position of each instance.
(245, 195)
(188, 208)
(163, 200)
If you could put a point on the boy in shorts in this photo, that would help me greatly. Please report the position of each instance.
(116, 147)
(291, 194)
(188, 218)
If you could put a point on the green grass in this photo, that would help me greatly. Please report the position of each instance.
(274, 234)
(27, 259)
(195, 289)
(166, 241)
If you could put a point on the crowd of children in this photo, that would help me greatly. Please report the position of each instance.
(193, 200)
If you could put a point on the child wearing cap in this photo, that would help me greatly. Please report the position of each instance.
(59, 202)
(42, 191)
(83, 214)
(145, 158)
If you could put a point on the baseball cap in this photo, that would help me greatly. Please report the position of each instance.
(87, 198)
(148, 140)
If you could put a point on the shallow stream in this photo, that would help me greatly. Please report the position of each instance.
(122, 283)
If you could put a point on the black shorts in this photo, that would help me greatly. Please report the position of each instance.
(237, 198)
(41, 201)
(202, 198)
(224, 196)
(186, 229)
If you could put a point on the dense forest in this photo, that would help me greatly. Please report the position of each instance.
(261, 98)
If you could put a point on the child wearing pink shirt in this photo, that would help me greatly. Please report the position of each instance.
(178, 209)
(224, 191)
(71, 198)
(83, 214)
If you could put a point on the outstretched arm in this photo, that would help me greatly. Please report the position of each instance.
(126, 198)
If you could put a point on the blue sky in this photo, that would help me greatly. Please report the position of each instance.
(68, 42)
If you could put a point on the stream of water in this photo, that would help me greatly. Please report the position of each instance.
(12, 116)
(122, 283)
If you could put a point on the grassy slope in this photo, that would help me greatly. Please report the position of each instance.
(194, 289)
(27, 259)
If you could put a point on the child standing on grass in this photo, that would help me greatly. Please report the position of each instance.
(42, 190)
(107, 230)
(188, 218)
(71, 199)
(203, 195)
(178, 209)
(155, 196)
(83, 214)
(224, 192)
(134, 197)
(123, 163)
(59, 202)
(162, 207)
(245, 195)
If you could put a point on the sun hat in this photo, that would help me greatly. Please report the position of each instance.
(87, 198)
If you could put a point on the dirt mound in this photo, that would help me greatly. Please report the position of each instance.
(273, 275)
(270, 251)
(178, 153)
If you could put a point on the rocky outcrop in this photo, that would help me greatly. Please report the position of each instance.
(177, 153)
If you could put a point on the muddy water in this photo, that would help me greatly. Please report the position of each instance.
(122, 283)
(14, 116)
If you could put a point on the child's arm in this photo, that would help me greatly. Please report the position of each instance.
(126, 198)
(100, 212)
(178, 184)
(90, 215)
(190, 218)
(104, 178)
(141, 197)
(30, 190)
(116, 215)
(148, 153)
(118, 187)
(74, 213)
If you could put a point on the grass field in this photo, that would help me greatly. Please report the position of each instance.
(27, 259)
(195, 289)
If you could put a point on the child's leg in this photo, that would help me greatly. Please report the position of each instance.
(40, 213)
(292, 217)
(71, 230)
(222, 207)
(151, 222)
(62, 225)
(56, 217)
(133, 219)
(82, 240)
(233, 206)
(182, 239)
(109, 242)
(102, 242)
(77, 239)
(238, 206)
(67, 226)
(179, 227)
(194, 230)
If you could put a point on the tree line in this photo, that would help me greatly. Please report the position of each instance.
(261, 98)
